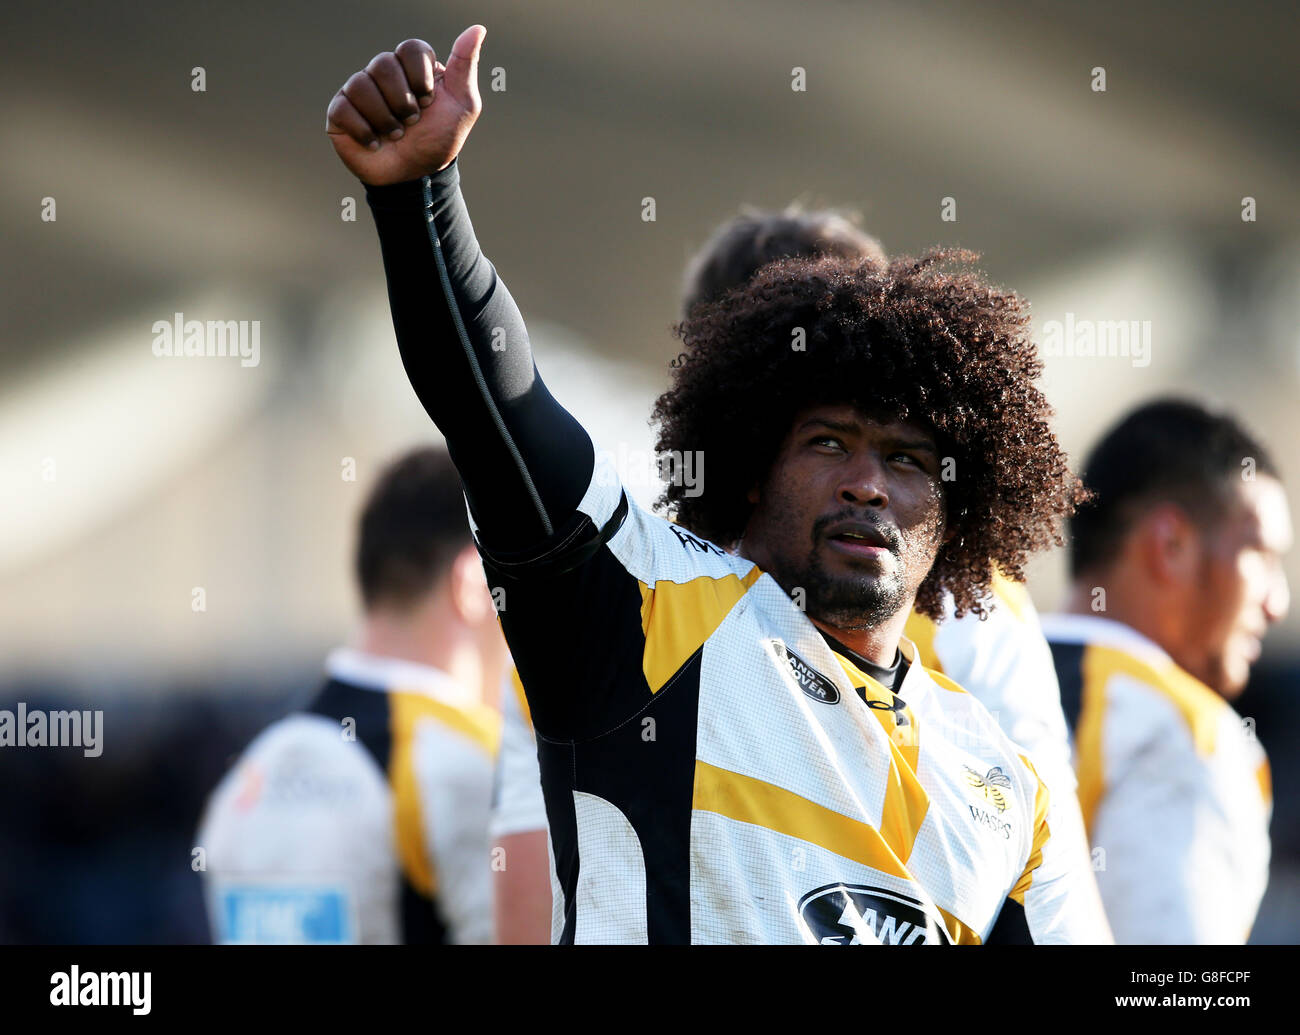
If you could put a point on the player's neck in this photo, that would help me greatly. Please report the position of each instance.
(1106, 598)
(446, 646)
(878, 645)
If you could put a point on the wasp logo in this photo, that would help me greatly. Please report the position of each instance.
(994, 784)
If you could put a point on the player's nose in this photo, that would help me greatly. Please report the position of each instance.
(1278, 599)
(864, 482)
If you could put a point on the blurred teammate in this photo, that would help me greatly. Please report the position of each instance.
(1003, 660)
(1176, 576)
(739, 746)
(364, 818)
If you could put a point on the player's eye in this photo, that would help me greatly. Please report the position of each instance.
(830, 439)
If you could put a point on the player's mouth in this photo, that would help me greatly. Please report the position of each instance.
(857, 539)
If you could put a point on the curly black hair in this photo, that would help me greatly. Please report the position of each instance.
(906, 339)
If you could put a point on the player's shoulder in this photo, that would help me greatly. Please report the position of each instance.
(655, 549)
(970, 720)
(300, 738)
(1141, 688)
(1005, 642)
(303, 763)
(414, 710)
(1009, 621)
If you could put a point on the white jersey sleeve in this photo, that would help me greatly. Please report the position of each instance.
(1057, 889)
(519, 806)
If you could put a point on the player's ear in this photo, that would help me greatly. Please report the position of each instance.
(1170, 545)
(470, 595)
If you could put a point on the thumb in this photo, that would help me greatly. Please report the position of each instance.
(461, 78)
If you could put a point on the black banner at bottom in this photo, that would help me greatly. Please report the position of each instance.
(160, 984)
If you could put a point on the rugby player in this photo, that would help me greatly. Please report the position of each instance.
(364, 818)
(738, 746)
(1003, 659)
(1176, 568)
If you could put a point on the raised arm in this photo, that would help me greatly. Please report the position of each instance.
(525, 462)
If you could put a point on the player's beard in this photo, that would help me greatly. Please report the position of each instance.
(851, 601)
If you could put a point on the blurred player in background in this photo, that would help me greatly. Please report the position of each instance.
(722, 763)
(1176, 576)
(1003, 660)
(365, 817)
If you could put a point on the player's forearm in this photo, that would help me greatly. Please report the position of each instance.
(524, 460)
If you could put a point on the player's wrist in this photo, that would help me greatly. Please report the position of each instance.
(405, 194)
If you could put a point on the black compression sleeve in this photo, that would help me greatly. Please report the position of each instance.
(524, 460)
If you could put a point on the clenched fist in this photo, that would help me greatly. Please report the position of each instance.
(406, 114)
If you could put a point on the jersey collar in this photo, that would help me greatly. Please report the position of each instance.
(375, 672)
(1093, 629)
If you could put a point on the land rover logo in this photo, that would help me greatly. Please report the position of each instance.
(810, 681)
(853, 914)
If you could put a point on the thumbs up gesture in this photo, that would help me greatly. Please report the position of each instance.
(406, 114)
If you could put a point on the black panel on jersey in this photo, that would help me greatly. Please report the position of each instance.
(1011, 927)
(367, 708)
(555, 761)
(421, 923)
(647, 766)
(1067, 658)
(580, 666)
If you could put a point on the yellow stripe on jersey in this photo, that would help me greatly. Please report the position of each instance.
(517, 685)
(1200, 707)
(922, 631)
(1089, 761)
(1014, 596)
(1041, 834)
(677, 617)
(1265, 778)
(477, 722)
(749, 800)
(940, 679)
(906, 801)
(957, 931)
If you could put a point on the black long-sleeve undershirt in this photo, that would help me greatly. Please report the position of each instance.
(524, 461)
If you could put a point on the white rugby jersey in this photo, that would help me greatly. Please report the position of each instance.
(1003, 661)
(364, 819)
(517, 803)
(1174, 787)
(714, 772)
